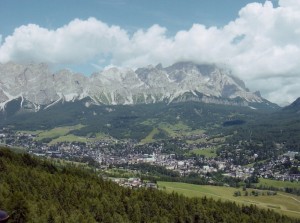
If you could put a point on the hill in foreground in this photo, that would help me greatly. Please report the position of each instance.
(33, 190)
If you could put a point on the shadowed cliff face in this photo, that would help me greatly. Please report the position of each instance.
(294, 107)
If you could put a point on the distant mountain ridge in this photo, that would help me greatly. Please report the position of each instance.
(39, 88)
(293, 107)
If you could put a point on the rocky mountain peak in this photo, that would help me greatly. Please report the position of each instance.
(35, 83)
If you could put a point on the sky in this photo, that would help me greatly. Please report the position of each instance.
(258, 40)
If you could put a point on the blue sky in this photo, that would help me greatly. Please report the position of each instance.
(129, 14)
(259, 40)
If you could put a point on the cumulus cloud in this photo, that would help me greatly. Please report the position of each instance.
(76, 42)
(261, 46)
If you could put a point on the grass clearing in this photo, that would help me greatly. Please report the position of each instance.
(56, 132)
(74, 138)
(208, 152)
(149, 138)
(121, 173)
(62, 134)
(202, 140)
(278, 183)
(282, 202)
(217, 139)
(68, 138)
(150, 122)
(179, 129)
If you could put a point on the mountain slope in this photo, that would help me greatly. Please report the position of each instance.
(37, 87)
(294, 107)
(267, 135)
(35, 190)
(125, 121)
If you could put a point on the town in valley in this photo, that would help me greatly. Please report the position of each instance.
(125, 155)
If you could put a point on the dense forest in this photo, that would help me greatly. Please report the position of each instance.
(127, 121)
(268, 136)
(33, 190)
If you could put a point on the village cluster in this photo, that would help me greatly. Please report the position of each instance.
(107, 154)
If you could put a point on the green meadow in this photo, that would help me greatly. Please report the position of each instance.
(149, 138)
(282, 202)
(208, 152)
(278, 183)
(178, 129)
(52, 133)
(63, 134)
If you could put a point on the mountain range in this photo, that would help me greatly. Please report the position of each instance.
(37, 87)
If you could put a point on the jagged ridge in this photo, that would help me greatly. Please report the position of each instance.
(184, 81)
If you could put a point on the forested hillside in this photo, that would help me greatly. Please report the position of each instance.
(33, 190)
(268, 135)
(126, 121)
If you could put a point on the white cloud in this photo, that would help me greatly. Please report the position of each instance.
(77, 42)
(289, 3)
(282, 90)
(262, 46)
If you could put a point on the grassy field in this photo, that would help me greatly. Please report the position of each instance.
(177, 130)
(208, 153)
(282, 202)
(277, 183)
(202, 140)
(122, 173)
(172, 130)
(68, 138)
(217, 139)
(74, 138)
(57, 132)
(62, 134)
(149, 137)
